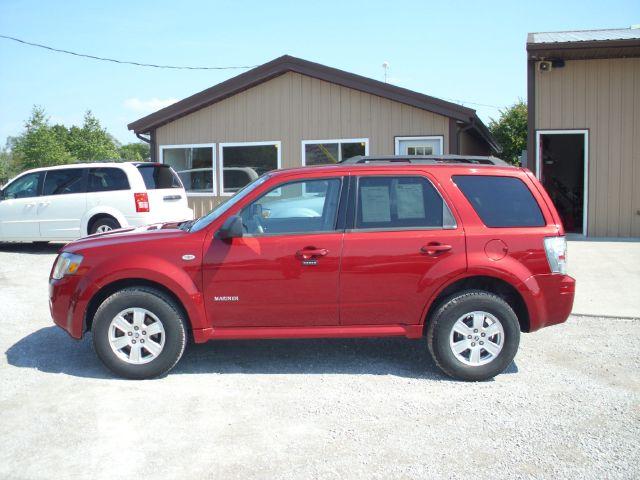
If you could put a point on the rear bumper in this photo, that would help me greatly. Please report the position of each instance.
(160, 217)
(551, 299)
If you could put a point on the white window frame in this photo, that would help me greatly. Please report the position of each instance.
(339, 141)
(585, 189)
(214, 165)
(221, 146)
(440, 139)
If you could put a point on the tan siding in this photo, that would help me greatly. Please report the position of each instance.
(291, 108)
(472, 146)
(602, 96)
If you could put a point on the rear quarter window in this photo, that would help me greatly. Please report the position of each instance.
(159, 176)
(106, 180)
(501, 201)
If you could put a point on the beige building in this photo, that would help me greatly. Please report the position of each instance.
(290, 112)
(584, 127)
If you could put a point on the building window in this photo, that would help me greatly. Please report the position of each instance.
(242, 163)
(194, 164)
(324, 152)
(432, 145)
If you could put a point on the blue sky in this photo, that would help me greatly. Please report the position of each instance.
(460, 51)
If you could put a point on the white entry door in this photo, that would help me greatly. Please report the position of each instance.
(419, 145)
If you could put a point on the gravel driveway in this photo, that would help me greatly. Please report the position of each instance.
(569, 407)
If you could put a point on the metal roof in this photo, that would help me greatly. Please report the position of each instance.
(287, 63)
(585, 35)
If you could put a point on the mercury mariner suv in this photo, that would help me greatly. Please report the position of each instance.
(466, 251)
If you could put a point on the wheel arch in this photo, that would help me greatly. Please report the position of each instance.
(95, 213)
(498, 286)
(109, 289)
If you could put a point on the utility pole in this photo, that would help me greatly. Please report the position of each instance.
(385, 66)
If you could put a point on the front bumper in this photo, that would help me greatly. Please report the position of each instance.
(63, 303)
(551, 299)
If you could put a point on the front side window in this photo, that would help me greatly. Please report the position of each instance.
(501, 201)
(63, 182)
(106, 180)
(308, 206)
(243, 163)
(327, 152)
(400, 203)
(24, 187)
(195, 165)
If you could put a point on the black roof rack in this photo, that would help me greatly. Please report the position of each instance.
(425, 159)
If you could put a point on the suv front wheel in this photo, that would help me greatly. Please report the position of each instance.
(474, 335)
(139, 332)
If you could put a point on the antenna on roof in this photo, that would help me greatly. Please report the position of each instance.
(385, 66)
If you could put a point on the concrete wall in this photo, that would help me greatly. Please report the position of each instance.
(602, 96)
(291, 108)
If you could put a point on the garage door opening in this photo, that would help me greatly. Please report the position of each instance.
(562, 169)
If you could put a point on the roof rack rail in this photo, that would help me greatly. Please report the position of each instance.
(426, 159)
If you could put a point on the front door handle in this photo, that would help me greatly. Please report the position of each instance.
(44, 204)
(310, 252)
(435, 248)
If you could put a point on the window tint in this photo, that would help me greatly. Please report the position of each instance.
(63, 182)
(501, 201)
(24, 187)
(295, 209)
(107, 179)
(400, 202)
(159, 176)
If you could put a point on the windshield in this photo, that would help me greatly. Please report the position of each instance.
(223, 207)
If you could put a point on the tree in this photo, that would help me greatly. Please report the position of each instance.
(39, 145)
(91, 142)
(510, 131)
(135, 152)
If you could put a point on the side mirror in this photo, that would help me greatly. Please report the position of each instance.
(231, 228)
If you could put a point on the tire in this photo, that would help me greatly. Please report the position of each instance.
(444, 335)
(139, 361)
(103, 224)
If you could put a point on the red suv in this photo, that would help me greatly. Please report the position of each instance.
(466, 251)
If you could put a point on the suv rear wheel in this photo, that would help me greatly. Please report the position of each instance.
(474, 335)
(139, 333)
(104, 224)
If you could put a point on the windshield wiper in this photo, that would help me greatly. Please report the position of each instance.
(186, 226)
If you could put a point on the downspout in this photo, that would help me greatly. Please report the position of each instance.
(152, 143)
(471, 125)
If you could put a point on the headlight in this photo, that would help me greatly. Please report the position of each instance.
(66, 264)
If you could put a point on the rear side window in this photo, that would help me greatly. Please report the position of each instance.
(159, 176)
(106, 180)
(501, 201)
(400, 203)
(64, 181)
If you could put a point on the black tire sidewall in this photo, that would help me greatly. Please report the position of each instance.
(104, 221)
(161, 307)
(450, 312)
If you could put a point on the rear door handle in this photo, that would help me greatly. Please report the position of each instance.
(308, 253)
(435, 248)
(171, 197)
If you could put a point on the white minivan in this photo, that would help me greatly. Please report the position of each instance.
(71, 201)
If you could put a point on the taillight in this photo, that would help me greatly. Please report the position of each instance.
(556, 248)
(142, 202)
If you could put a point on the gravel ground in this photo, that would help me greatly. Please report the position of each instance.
(569, 407)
